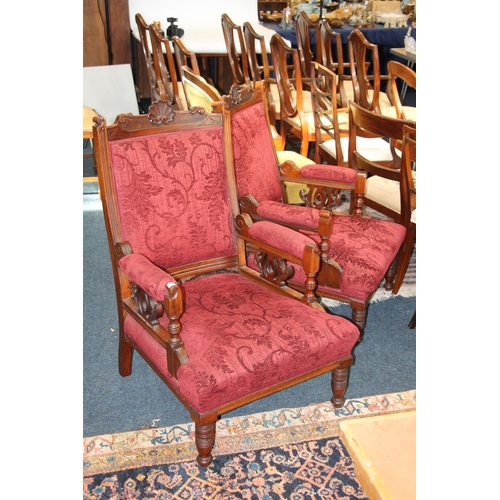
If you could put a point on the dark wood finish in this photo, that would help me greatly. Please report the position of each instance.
(333, 59)
(120, 32)
(365, 71)
(303, 28)
(165, 70)
(295, 106)
(238, 59)
(326, 114)
(261, 70)
(147, 57)
(364, 123)
(164, 119)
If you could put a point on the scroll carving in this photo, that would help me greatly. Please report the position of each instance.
(321, 198)
(273, 269)
(148, 307)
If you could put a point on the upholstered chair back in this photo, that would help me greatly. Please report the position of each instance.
(162, 202)
(253, 145)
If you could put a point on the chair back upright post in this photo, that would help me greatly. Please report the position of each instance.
(326, 114)
(236, 51)
(303, 28)
(295, 107)
(408, 202)
(334, 60)
(261, 70)
(147, 50)
(164, 66)
(398, 71)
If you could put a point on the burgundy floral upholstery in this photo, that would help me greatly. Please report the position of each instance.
(364, 247)
(216, 332)
(158, 182)
(257, 346)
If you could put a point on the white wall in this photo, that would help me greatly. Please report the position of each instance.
(200, 19)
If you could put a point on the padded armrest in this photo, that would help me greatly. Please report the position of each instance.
(280, 237)
(152, 279)
(306, 217)
(329, 173)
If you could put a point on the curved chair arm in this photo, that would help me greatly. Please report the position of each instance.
(155, 292)
(151, 278)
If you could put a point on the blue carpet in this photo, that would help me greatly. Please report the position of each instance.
(385, 360)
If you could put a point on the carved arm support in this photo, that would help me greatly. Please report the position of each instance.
(154, 293)
(278, 245)
(324, 183)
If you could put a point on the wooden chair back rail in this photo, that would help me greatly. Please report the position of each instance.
(237, 55)
(165, 70)
(147, 50)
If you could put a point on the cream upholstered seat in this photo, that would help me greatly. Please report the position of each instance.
(386, 192)
(332, 124)
(199, 92)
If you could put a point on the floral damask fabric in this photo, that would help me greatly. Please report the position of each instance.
(364, 247)
(254, 156)
(261, 340)
(162, 203)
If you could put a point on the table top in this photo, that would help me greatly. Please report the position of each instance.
(401, 52)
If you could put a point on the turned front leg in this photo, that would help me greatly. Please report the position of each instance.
(205, 440)
(339, 386)
(390, 275)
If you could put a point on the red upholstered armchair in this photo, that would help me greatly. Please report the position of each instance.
(356, 252)
(217, 332)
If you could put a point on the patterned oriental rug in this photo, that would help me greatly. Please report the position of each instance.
(291, 453)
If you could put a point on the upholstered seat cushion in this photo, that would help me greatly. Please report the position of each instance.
(267, 350)
(375, 149)
(361, 246)
(385, 191)
(410, 112)
(88, 122)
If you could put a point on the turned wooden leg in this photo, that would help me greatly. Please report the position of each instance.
(205, 440)
(359, 318)
(125, 352)
(339, 386)
(390, 275)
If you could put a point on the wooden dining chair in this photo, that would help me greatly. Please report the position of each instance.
(217, 332)
(332, 121)
(305, 29)
(365, 73)
(332, 57)
(236, 51)
(147, 51)
(386, 190)
(199, 93)
(296, 113)
(165, 71)
(400, 74)
(261, 69)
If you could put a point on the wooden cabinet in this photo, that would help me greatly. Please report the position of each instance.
(271, 6)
